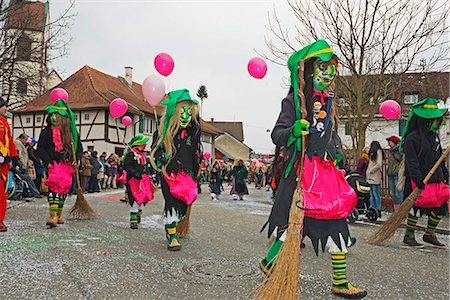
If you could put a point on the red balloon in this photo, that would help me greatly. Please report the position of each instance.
(118, 107)
(126, 121)
(164, 64)
(390, 109)
(257, 67)
(59, 94)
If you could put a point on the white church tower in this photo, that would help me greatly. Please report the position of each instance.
(24, 55)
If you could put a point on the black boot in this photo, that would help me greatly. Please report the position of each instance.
(411, 241)
(432, 239)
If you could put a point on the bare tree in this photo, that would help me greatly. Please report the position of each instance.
(28, 38)
(374, 40)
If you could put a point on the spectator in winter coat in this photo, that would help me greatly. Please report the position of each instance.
(374, 175)
(363, 162)
(86, 170)
(96, 166)
(394, 158)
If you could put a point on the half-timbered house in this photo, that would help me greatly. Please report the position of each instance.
(90, 94)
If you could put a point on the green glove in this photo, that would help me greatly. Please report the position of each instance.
(300, 127)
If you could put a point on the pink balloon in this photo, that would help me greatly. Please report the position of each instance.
(58, 94)
(257, 67)
(254, 162)
(260, 160)
(118, 107)
(207, 155)
(126, 121)
(153, 89)
(221, 161)
(164, 64)
(266, 156)
(390, 109)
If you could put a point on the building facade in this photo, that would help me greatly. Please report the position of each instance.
(90, 94)
(24, 52)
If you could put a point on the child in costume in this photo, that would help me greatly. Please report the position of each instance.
(8, 154)
(215, 181)
(239, 174)
(328, 199)
(422, 148)
(139, 188)
(177, 153)
(58, 141)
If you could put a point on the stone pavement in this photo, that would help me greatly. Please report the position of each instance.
(104, 259)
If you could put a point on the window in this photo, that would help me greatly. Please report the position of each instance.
(348, 129)
(75, 117)
(28, 120)
(38, 119)
(91, 148)
(24, 48)
(22, 86)
(118, 151)
(206, 138)
(411, 98)
(86, 117)
(401, 126)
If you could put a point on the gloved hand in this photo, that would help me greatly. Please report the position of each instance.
(16, 164)
(419, 184)
(300, 127)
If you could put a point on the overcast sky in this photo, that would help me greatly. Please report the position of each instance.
(211, 43)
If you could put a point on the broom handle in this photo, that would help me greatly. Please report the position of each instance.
(436, 165)
(76, 170)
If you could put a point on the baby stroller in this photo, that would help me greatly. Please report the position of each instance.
(362, 189)
(17, 187)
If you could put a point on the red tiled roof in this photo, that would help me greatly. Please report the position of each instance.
(89, 88)
(29, 15)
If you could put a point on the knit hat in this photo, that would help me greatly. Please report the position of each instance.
(394, 139)
(61, 107)
(138, 140)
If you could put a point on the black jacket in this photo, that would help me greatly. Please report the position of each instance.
(46, 148)
(133, 168)
(316, 144)
(421, 155)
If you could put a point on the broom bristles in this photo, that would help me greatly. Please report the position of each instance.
(388, 229)
(81, 208)
(183, 226)
(283, 282)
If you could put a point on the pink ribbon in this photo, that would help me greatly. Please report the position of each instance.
(321, 94)
(183, 133)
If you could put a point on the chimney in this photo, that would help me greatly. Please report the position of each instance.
(212, 120)
(129, 75)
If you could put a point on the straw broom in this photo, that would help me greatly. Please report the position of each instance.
(183, 226)
(283, 282)
(390, 226)
(81, 208)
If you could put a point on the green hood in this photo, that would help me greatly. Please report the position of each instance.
(171, 105)
(61, 107)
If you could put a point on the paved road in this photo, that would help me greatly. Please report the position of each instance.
(104, 259)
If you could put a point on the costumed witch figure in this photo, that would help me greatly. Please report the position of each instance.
(238, 186)
(422, 148)
(327, 197)
(176, 153)
(138, 184)
(58, 143)
(8, 155)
